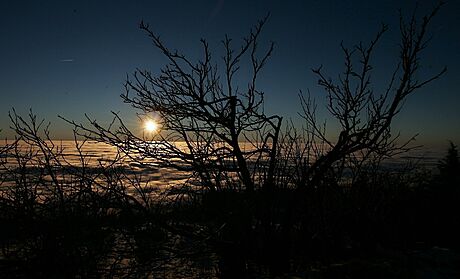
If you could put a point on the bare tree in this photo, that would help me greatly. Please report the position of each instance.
(208, 121)
(224, 131)
(365, 115)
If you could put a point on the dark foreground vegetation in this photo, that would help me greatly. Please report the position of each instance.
(385, 224)
(294, 204)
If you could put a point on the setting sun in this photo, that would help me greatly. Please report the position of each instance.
(151, 126)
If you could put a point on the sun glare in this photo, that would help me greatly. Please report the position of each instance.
(151, 126)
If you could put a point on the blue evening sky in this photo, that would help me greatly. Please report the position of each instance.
(71, 57)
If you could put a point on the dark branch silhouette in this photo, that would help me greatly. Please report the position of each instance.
(209, 113)
(365, 115)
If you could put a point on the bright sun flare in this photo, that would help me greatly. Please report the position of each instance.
(151, 126)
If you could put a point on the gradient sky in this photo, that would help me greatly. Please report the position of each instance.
(71, 57)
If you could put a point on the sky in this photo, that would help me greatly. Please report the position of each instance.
(69, 58)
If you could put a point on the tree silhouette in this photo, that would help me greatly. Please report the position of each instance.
(365, 114)
(450, 165)
(200, 104)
